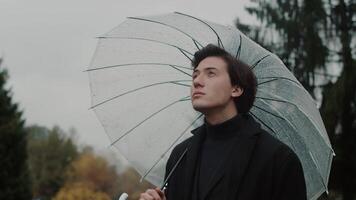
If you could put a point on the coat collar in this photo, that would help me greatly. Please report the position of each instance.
(244, 145)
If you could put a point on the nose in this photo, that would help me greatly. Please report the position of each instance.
(198, 81)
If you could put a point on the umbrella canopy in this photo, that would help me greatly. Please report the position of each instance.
(140, 78)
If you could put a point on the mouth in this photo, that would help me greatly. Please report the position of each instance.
(196, 94)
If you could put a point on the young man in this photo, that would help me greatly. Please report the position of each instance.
(229, 156)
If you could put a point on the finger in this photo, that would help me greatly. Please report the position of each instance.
(146, 196)
(154, 193)
(160, 192)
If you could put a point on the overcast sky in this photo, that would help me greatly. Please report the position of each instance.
(46, 46)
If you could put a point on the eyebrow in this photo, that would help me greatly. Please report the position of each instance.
(205, 69)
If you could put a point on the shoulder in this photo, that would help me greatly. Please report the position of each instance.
(266, 143)
(275, 150)
(177, 152)
(179, 148)
(283, 164)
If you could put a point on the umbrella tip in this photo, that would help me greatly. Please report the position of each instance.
(332, 150)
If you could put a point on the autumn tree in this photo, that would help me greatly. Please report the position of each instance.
(92, 173)
(80, 191)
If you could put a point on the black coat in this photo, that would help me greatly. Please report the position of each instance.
(259, 167)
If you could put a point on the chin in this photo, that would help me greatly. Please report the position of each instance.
(201, 107)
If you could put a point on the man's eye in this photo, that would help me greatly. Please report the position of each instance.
(211, 73)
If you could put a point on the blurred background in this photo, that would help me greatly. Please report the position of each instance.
(53, 147)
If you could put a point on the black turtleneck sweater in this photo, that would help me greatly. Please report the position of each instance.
(215, 149)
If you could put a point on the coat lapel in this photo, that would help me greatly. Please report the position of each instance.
(244, 152)
(192, 158)
(239, 165)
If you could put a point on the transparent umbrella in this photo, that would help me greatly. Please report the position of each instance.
(140, 78)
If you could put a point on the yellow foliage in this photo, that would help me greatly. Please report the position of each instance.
(95, 171)
(80, 191)
(91, 177)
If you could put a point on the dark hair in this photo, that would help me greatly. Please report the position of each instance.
(240, 74)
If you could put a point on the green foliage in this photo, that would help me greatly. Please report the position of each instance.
(14, 177)
(291, 29)
(50, 153)
(60, 171)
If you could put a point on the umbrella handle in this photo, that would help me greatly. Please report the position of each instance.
(123, 196)
(164, 185)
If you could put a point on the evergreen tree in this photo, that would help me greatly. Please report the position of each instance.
(339, 103)
(14, 174)
(315, 39)
(291, 29)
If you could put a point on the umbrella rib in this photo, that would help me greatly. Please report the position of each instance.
(275, 133)
(196, 44)
(296, 106)
(269, 112)
(170, 146)
(174, 67)
(135, 90)
(185, 55)
(182, 84)
(256, 63)
(239, 49)
(277, 78)
(290, 124)
(175, 28)
(146, 39)
(217, 35)
(267, 81)
(263, 122)
(128, 64)
(318, 170)
(278, 100)
(294, 148)
(147, 118)
(281, 114)
(186, 98)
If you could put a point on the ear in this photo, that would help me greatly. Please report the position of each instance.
(237, 91)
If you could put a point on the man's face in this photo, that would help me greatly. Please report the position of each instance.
(211, 87)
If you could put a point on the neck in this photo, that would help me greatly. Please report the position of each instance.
(219, 115)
